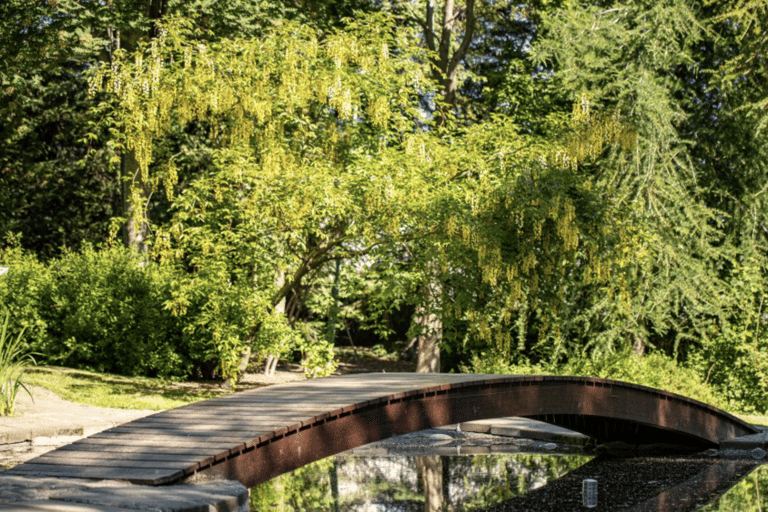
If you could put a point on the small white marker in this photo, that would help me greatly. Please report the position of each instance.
(589, 492)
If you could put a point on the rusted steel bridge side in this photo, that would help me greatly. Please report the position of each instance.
(256, 435)
(604, 409)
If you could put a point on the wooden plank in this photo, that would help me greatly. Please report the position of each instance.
(246, 412)
(172, 439)
(231, 418)
(69, 455)
(210, 432)
(151, 443)
(177, 431)
(157, 475)
(188, 430)
(148, 433)
(125, 449)
(113, 463)
(230, 422)
(203, 422)
(250, 430)
(299, 400)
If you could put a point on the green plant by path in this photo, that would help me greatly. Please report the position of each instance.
(13, 363)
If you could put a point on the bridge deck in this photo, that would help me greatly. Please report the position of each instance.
(170, 445)
(255, 435)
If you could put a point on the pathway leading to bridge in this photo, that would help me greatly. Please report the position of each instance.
(255, 435)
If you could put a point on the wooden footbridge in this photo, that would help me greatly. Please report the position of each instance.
(255, 435)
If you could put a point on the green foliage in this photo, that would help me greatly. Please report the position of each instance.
(218, 319)
(109, 317)
(688, 196)
(95, 309)
(748, 495)
(26, 295)
(734, 358)
(57, 186)
(307, 488)
(275, 336)
(653, 370)
(13, 362)
(317, 354)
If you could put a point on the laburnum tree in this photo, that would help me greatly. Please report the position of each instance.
(282, 198)
(324, 156)
(57, 188)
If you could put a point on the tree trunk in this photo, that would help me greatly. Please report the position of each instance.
(638, 345)
(427, 328)
(135, 231)
(431, 469)
(445, 65)
(271, 361)
(245, 358)
(427, 340)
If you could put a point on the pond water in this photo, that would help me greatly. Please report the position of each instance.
(516, 482)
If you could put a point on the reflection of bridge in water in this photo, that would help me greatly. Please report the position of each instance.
(255, 435)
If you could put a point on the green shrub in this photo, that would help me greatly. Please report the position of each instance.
(653, 370)
(275, 336)
(317, 355)
(219, 317)
(25, 295)
(735, 362)
(110, 315)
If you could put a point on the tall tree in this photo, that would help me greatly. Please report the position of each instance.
(61, 183)
(692, 186)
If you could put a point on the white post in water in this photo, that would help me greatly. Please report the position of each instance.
(589, 492)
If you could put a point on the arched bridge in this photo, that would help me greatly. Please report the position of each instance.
(255, 435)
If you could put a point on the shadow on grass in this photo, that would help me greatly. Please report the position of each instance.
(80, 383)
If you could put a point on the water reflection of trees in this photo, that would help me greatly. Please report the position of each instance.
(749, 495)
(513, 482)
(409, 483)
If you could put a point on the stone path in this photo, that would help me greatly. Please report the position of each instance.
(47, 422)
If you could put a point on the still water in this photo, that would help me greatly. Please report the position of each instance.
(516, 482)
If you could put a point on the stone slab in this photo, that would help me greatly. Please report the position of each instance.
(28, 494)
(59, 506)
(525, 428)
(46, 415)
(9, 435)
(746, 442)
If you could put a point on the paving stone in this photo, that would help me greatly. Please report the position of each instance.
(59, 506)
(75, 495)
(524, 428)
(746, 442)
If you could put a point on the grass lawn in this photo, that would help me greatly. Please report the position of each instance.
(105, 390)
(754, 419)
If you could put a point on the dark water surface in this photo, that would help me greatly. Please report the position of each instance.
(516, 482)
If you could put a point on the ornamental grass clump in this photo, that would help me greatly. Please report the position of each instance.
(13, 363)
